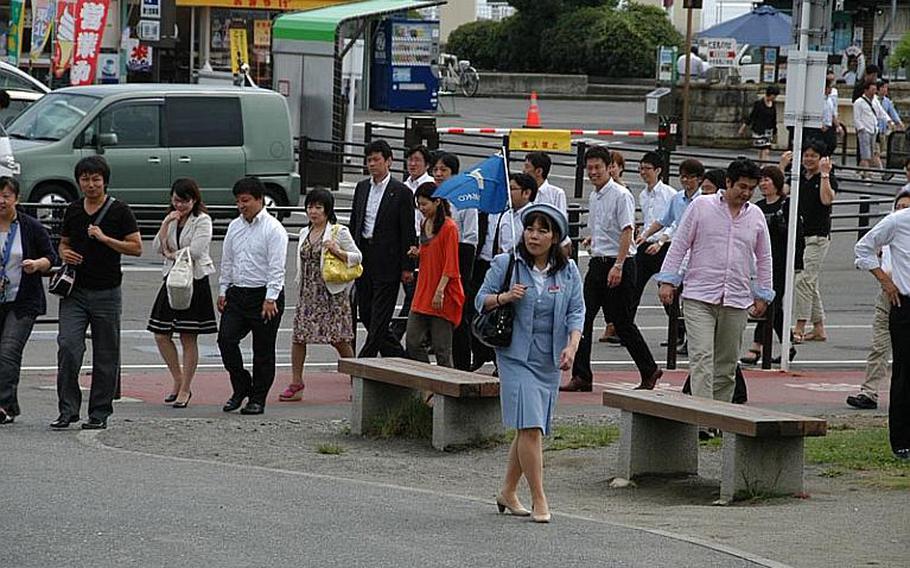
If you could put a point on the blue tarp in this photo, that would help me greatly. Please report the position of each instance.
(763, 26)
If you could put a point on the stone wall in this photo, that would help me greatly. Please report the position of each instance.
(521, 84)
(716, 113)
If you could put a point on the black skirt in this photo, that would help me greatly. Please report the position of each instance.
(199, 318)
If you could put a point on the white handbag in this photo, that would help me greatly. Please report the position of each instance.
(180, 281)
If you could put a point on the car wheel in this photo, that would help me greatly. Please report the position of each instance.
(272, 198)
(54, 198)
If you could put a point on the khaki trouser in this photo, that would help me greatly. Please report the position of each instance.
(715, 337)
(808, 299)
(877, 368)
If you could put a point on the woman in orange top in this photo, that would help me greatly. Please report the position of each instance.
(436, 308)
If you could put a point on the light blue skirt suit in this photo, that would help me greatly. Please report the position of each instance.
(529, 367)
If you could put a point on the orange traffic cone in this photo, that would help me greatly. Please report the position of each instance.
(533, 118)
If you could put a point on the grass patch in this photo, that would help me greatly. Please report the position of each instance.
(412, 419)
(330, 449)
(864, 450)
(575, 437)
(716, 442)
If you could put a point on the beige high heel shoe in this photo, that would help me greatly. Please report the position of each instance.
(518, 511)
(537, 518)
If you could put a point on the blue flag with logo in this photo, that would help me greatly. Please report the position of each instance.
(483, 186)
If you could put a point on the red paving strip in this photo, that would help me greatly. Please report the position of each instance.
(822, 387)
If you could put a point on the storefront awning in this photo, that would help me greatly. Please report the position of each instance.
(322, 24)
(263, 4)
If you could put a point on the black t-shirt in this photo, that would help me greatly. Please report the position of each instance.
(100, 268)
(777, 215)
(816, 215)
(763, 118)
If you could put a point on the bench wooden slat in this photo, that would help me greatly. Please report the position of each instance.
(737, 419)
(417, 375)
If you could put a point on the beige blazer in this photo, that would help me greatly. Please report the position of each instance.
(197, 235)
(345, 242)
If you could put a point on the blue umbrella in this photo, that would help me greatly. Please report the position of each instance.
(763, 26)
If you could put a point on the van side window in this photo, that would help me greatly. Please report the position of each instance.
(136, 126)
(204, 121)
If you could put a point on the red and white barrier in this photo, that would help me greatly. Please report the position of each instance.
(573, 132)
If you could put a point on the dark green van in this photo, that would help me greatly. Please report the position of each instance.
(153, 134)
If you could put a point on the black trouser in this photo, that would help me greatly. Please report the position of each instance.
(376, 304)
(899, 406)
(740, 394)
(482, 353)
(617, 304)
(399, 327)
(777, 322)
(242, 315)
(461, 338)
(646, 266)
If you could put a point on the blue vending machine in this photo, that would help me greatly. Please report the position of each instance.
(402, 74)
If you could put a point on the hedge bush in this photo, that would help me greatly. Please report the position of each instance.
(584, 36)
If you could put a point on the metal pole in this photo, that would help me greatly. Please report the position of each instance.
(192, 41)
(795, 178)
(862, 220)
(685, 132)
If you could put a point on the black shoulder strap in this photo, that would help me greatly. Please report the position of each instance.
(104, 209)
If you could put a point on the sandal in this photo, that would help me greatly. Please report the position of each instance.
(293, 392)
(797, 338)
(756, 355)
(812, 336)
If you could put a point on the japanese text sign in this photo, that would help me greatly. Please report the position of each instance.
(540, 140)
(90, 19)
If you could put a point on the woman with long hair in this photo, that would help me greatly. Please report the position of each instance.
(439, 298)
(549, 313)
(323, 313)
(186, 226)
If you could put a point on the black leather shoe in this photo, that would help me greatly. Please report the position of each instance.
(95, 424)
(64, 421)
(862, 401)
(252, 408)
(902, 454)
(232, 404)
(576, 385)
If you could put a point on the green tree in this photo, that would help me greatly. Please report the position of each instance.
(477, 41)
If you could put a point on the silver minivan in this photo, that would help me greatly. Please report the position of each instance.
(152, 135)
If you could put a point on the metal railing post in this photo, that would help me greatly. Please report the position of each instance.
(862, 221)
(580, 149)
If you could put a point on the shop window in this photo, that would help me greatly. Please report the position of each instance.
(201, 122)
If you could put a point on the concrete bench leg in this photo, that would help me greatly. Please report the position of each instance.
(650, 445)
(464, 420)
(754, 466)
(371, 399)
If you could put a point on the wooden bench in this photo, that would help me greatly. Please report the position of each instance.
(465, 405)
(762, 451)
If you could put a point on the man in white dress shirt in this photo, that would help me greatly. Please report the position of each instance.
(251, 297)
(610, 281)
(417, 159)
(655, 201)
(894, 231)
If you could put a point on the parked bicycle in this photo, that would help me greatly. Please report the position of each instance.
(457, 74)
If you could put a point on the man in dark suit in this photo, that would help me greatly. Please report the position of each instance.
(382, 223)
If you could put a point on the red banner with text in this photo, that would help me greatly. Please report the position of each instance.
(65, 24)
(91, 16)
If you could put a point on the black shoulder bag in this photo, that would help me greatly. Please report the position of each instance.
(493, 328)
(64, 280)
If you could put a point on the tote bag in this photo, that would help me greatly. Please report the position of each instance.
(180, 281)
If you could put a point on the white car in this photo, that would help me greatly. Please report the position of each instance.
(13, 78)
(19, 101)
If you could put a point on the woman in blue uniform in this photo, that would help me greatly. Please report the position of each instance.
(546, 293)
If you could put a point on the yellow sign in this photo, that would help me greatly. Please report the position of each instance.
(263, 4)
(540, 140)
(239, 50)
(262, 33)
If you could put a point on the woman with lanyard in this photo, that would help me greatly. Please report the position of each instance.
(25, 254)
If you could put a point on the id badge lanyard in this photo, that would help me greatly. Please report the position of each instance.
(7, 253)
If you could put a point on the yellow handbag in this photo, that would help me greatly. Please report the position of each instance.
(337, 271)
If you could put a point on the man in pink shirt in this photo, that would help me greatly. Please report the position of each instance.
(727, 240)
